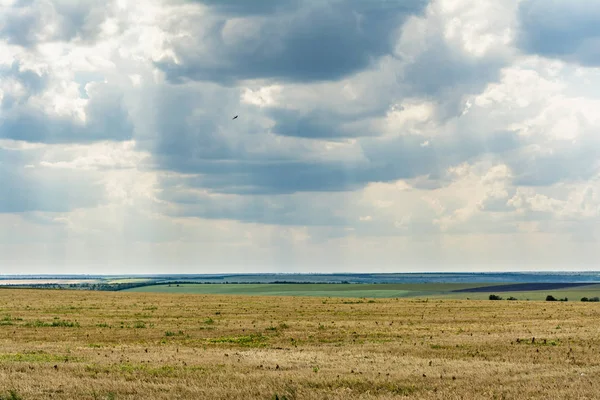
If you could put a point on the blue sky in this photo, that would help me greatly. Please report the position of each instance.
(375, 136)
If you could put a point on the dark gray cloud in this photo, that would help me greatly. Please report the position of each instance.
(315, 124)
(564, 29)
(214, 164)
(106, 119)
(27, 189)
(192, 134)
(320, 41)
(27, 22)
(256, 7)
(279, 177)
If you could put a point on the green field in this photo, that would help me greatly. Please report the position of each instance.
(434, 290)
(318, 290)
(128, 280)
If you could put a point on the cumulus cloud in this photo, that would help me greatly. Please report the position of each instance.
(317, 41)
(28, 23)
(99, 118)
(41, 106)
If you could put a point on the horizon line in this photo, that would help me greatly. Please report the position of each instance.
(306, 273)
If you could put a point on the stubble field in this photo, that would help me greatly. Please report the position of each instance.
(108, 345)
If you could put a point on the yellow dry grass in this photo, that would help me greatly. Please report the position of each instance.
(107, 345)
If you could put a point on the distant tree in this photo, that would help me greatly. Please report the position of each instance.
(585, 299)
(495, 297)
(512, 298)
(550, 298)
(595, 299)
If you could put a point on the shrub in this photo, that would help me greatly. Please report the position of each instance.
(550, 298)
(495, 297)
(594, 299)
(585, 299)
(512, 298)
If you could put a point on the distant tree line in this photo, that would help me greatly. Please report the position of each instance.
(548, 298)
(113, 287)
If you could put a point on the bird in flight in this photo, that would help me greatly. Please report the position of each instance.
(234, 117)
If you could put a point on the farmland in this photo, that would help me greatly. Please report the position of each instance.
(339, 284)
(122, 345)
(522, 291)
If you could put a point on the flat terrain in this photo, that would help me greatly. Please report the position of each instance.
(521, 291)
(311, 289)
(5, 282)
(63, 344)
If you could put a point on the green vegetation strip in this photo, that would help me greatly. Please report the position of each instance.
(37, 357)
(426, 290)
(317, 290)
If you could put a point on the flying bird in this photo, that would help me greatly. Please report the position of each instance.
(234, 117)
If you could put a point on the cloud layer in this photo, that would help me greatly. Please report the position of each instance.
(566, 30)
(385, 135)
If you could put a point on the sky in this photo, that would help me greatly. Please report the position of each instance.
(373, 136)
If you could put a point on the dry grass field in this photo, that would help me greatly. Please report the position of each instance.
(111, 345)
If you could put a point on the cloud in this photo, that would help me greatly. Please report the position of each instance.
(196, 136)
(574, 162)
(26, 188)
(279, 210)
(319, 41)
(455, 50)
(418, 132)
(234, 7)
(20, 83)
(270, 149)
(567, 30)
(314, 124)
(30, 22)
(442, 66)
(29, 114)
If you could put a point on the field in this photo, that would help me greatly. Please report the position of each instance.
(120, 345)
(526, 291)
(6, 282)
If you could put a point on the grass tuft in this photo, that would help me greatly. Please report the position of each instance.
(12, 395)
(56, 323)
